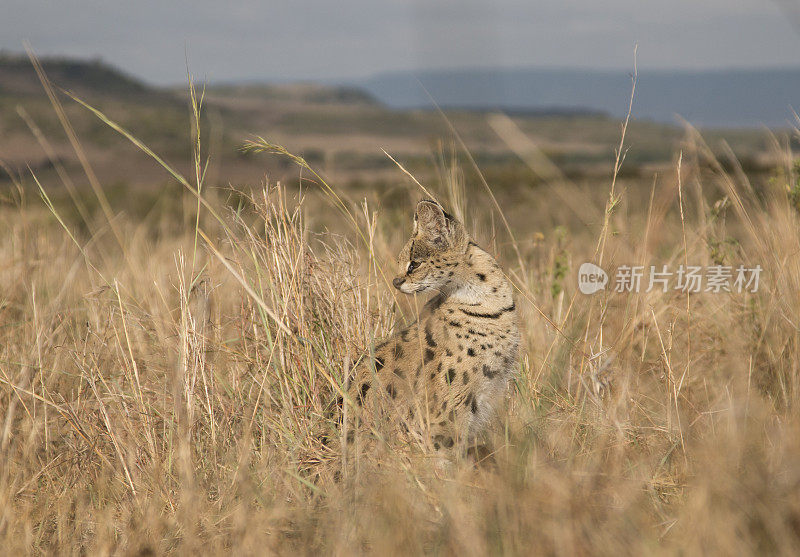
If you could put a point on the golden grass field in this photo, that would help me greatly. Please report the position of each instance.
(166, 381)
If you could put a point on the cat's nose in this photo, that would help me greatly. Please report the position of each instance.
(398, 282)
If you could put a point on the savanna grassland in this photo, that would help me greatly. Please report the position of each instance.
(170, 353)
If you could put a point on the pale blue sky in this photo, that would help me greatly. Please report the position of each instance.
(329, 39)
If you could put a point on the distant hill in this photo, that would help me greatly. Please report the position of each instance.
(87, 78)
(720, 98)
(341, 129)
(724, 98)
(94, 78)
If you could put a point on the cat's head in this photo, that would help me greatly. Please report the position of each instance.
(435, 256)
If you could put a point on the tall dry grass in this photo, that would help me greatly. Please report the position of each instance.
(169, 390)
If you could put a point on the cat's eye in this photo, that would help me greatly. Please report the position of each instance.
(411, 266)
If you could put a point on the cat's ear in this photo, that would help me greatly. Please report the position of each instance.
(436, 226)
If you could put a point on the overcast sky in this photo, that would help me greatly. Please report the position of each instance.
(329, 39)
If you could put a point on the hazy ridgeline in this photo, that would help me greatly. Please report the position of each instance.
(166, 380)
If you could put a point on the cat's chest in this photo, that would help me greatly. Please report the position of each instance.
(490, 345)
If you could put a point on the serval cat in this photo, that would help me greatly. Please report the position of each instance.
(442, 380)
